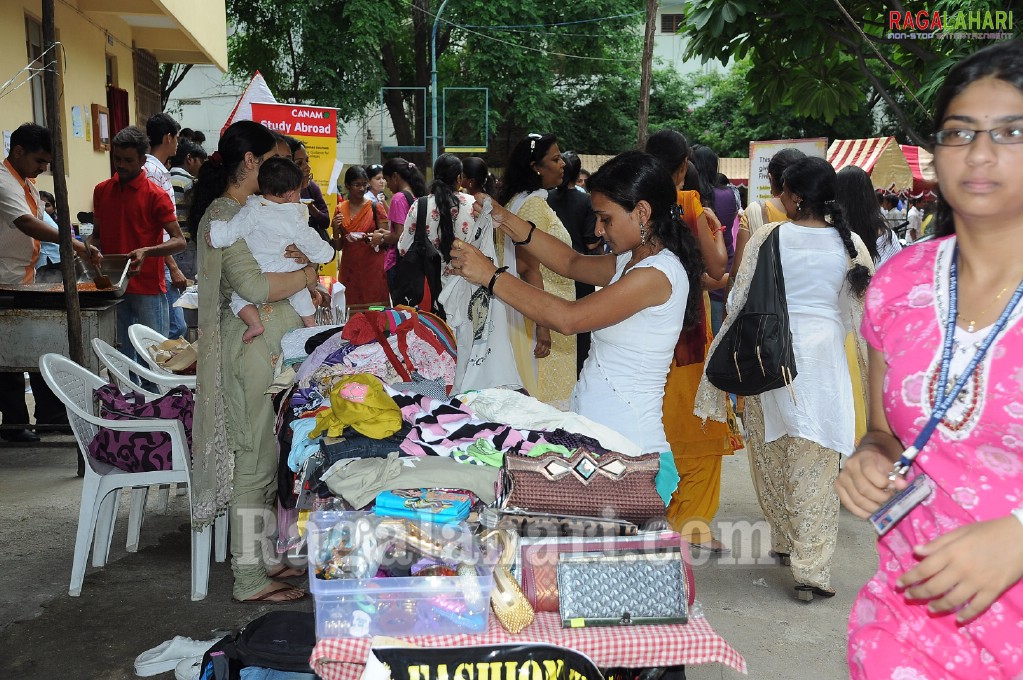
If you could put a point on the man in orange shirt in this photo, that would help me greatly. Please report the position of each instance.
(21, 229)
(131, 216)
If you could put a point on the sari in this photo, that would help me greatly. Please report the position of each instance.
(362, 267)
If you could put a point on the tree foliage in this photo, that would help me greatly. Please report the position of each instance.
(832, 59)
(716, 110)
(341, 52)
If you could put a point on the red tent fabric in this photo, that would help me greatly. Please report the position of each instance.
(921, 162)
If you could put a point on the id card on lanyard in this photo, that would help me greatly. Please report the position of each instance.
(900, 505)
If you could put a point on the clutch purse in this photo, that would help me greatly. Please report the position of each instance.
(610, 485)
(538, 558)
(607, 589)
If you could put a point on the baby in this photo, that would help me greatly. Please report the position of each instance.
(269, 224)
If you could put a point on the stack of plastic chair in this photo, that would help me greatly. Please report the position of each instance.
(122, 366)
(102, 485)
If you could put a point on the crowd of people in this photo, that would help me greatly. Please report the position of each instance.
(608, 293)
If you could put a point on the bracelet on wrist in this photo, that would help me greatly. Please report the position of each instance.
(1018, 513)
(493, 279)
(529, 237)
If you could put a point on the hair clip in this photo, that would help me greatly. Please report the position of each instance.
(533, 138)
(677, 212)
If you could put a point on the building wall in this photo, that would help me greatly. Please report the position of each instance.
(669, 48)
(83, 83)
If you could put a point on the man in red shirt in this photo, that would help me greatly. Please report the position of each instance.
(131, 216)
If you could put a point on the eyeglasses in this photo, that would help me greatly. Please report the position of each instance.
(360, 185)
(1006, 134)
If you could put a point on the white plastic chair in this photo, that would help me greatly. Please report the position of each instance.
(122, 366)
(143, 337)
(103, 483)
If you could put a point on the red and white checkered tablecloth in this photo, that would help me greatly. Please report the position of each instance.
(608, 646)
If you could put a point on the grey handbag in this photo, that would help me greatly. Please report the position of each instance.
(622, 588)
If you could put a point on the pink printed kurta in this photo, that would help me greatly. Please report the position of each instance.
(975, 458)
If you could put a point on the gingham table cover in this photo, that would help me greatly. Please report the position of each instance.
(608, 646)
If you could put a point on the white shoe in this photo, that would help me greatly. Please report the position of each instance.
(188, 669)
(165, 656)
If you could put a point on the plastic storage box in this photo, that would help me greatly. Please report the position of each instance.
(395, 606)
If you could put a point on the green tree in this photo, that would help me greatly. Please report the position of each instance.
(719, 112)
(831, 59)
(538, 59)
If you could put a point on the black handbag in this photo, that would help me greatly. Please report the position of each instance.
(419, 267)
(755, 355)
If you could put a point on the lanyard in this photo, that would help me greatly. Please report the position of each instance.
(943, 401)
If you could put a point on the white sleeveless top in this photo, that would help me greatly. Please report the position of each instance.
(622, 381)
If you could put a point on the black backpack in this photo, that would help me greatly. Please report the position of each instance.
(755, 355)
(280, 641)
(420, 266)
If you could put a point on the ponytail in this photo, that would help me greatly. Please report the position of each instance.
(813, 180)
(634, 176)
(408, 172)
(446, 170)
(859, 276)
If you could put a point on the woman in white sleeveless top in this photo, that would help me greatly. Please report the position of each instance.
(646, 284)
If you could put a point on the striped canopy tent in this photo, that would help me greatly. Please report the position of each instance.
(735, 169)
(880, 157)
(921, 162)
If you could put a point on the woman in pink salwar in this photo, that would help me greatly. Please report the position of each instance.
(947, 600)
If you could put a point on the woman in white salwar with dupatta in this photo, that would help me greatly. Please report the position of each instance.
(797, 434)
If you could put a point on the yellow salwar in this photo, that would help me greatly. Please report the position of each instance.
(697, 449)
(552, 382)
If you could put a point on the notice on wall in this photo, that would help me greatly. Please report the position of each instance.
(7, 143)
(77, 122)
(760, 155)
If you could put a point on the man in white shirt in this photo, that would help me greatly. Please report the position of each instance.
(915, 218)
(21, 229)
(162, 131)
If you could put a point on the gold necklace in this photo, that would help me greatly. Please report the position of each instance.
(972, 324)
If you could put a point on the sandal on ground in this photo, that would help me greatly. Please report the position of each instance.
(784, 559)
(283, 571)
(806, 593)
(275, 595)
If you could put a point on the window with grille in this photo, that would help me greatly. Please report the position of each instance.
(671, 23)
(147, 86)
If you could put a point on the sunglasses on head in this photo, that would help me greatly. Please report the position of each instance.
(374, 169)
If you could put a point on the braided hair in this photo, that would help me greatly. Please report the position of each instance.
(813, 180)
(634, 176)
(446, 171)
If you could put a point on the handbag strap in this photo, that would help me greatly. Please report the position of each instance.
(398, 366)
(421, 210)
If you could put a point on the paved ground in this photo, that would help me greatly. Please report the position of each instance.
(139, 600)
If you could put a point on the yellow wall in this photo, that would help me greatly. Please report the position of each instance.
(206, 22)
(83, 84)
(85, 46)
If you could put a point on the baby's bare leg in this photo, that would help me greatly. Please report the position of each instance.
(308, 321)
(250, 315)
